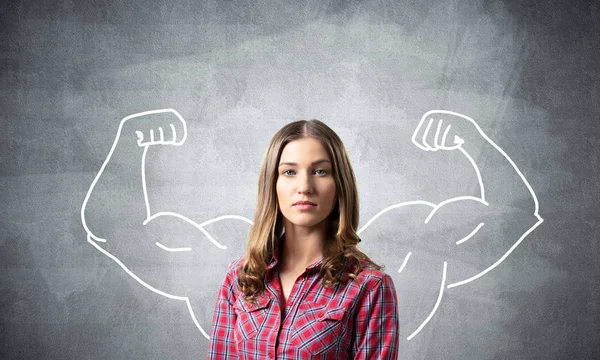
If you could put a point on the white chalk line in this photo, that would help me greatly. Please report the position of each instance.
(445, 134)
(459, 141)
(110, 153)
(470, 234)
(499, 261)
(145, 145)
(200, 226)
(146, 202)
(172, 249)
(536, 211)
(435, 307)
(477, 172)
(402, 204)
(94, 240)
(150, 287)
(459, 198)
(454, 199)
(404, 262)
(426, 147)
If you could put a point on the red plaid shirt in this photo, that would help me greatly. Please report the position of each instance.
(345, 321)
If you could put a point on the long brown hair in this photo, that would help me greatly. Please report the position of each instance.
(268, 220)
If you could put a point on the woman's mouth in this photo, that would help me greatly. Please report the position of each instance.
(304, 205)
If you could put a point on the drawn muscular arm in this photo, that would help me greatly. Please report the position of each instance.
(119, 220)
(491, 221)
(118, 194)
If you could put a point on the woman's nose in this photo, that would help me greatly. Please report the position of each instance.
(304, 183)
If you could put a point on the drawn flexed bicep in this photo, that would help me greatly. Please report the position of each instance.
(119, 195)
(166, 252)
(437, 246)
(479, 221)
(474, 238)
(172, 256)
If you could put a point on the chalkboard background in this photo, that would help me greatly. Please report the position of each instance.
(236, 71)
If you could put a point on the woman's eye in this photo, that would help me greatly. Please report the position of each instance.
(323, 171)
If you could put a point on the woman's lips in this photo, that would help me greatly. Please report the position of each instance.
(304, 206)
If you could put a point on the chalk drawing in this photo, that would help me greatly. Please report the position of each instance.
(420, 137)
(94, 240)
(470, 234)
(437, 303)
(421, 134)
(405, 261)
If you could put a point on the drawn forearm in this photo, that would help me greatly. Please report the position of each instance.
(116, 195)
(501, 183)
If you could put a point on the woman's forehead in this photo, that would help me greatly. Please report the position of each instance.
(305, 150)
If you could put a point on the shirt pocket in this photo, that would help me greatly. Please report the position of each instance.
(251, 319)
(318, 328)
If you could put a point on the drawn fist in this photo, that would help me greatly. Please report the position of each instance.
(439, 129)
(157, 127)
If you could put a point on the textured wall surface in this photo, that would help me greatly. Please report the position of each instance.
(492, 239)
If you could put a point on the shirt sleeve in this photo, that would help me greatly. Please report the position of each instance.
(221, 344)
(376, 334)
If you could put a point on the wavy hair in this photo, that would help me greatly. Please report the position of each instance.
(342, 239)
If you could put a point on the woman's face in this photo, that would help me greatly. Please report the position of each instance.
(305, 173)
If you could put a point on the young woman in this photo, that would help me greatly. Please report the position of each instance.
(303, 289)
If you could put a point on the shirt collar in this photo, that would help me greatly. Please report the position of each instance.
(275, 257)
(273, 262)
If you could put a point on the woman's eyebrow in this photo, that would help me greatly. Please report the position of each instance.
(313, 163)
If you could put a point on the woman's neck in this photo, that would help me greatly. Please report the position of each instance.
(300, 249)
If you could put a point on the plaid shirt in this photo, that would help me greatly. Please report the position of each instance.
(345, 321)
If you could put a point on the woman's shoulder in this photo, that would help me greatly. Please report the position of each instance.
(233, 268)
(230, 280)
(371, 274)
